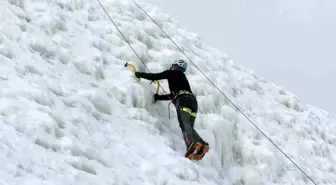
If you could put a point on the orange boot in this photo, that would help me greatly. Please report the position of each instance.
(196, 150)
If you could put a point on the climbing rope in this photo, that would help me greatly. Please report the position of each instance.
(238, 109)
(225, 95)
(101, 5)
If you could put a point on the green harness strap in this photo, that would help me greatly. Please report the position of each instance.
(185, 109)
(194, 114)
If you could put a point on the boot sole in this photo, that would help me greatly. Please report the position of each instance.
(193, 150)
(197, 155)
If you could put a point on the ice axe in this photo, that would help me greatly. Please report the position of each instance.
(134, 70)
(132, 67)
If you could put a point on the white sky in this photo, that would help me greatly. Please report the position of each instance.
(291, 43)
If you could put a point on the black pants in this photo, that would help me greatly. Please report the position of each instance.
(186, 107)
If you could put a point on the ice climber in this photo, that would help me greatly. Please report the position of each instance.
(185, 103)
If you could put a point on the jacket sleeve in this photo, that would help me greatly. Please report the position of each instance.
(165, 97)
(155, 76)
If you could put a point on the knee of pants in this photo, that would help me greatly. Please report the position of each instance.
(192, 121)
(184, 119)
(180, 121)
(182, 127)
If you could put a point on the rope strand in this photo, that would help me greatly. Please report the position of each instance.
(101, 5)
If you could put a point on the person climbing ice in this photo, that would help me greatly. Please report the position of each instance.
(186, 106)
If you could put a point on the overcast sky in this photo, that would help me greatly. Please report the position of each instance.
(291, 43)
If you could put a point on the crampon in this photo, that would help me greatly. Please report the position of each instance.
(196, 150)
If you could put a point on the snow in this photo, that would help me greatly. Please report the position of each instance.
(71, 113)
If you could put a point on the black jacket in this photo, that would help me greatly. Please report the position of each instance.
(176, 79)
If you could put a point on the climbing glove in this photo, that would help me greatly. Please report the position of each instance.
(156, 97)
